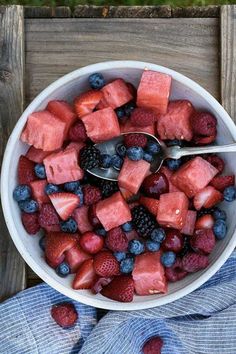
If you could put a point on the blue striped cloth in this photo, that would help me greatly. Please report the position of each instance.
(201, 322)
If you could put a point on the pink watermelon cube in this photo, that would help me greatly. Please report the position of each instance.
(128, 127)
(62, 167)
(132, 174)
(189, 226)
(37, 155)
(116, 93)
(193, 176)
(172, 210)
(113, 211)
(38, 191)
(101, 125)
(44, 131)
(76, 146)
(175, 124)
(153, 91)
(81, 217)
(168, 173)
(149, 274)
(102, 104)
(63, 111)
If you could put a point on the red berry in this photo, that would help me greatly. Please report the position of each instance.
(153, 346)
(121, 289)
(203, 123)
(204, 140)
(48, 216)
(222, 182)
(217, 162)
(142, 117)
(30, 222)
(25, 170)
(92, 216)
(64, 314)
(92, 194)
(135, 140)
(204, 222)
(91, 242)
(173, 241)
(155, 184)
(100, 283)
(203, 241)
(193, 262)
(116, 240)
(175, 272)
(77, 132)
(105, 264)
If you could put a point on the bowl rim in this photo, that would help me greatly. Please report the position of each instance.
(96, 302)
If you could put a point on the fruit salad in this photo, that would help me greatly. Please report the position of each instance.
(138, 234)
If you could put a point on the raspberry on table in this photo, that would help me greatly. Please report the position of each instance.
(64, 314)
(135, 140)
(116, 240)
(153, 346)
(193, 262)
(92, 194)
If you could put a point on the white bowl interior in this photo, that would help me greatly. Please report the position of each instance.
(67, 88)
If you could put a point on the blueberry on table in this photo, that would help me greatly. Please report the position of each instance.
(63, 269)
(127, 227)
(105, 161)
(121, 150)
(168, 259)
(147, 157)
(120, 256)
(39, 170)
(158, 235)
(116, 162)
(29, 206)
(71, 186)
(230, 194)
(127, 265)
(135, 153)
(173, 164)
(136, 247)
(219, 214)
(21, 192)
(152, 246)
(96, 81)
(51, 188)
(153, 148)
(69, 225)
(220, 229)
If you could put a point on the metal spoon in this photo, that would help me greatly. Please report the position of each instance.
(172, 152)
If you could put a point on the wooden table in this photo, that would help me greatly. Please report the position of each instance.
(38, 45)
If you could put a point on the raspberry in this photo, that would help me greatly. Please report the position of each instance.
(135, 140)
(153, 346)
(193, 262)
(203, 241)
(25, 170)
(92, 194)
(142, 117)
(175, 272)
(77, 132)
(203, 123)
(64, 314)
(30, 222)
(217, 162)
(105, 264)
(116, 240)
(48, 216)
(222, 182)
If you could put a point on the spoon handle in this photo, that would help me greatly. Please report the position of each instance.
(175, 152)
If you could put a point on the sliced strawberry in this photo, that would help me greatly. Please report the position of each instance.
(221, 182)
(86, 102)
(204, 222)
(121, 289)
(25, 171)
(207, 198)
(64, 203)
(75, 256)
(105, 264)
(150, 203)
(56, 244)
(85, 277)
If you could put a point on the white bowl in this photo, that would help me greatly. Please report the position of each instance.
(67, 88)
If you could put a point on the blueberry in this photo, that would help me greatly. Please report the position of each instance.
(168, 259)
(129, 107)
(136, 247)
(127, 227)
(42, 243)
(39, 170)
(51, 188)
(121, 150)
(29, 206)
(158, 235)
(120, 112)
(147, 157)
(105, 161)
(96, 81)
(69, 225)
(174, 142)
(21, 192)
(153, 148)
(120, 256)
(219, 214)
(101, 231)
(135, 153)
(230, 194)
(152, 246)
(71, 186)
(173, 164)
(63, 269)
(80, 194)
(116, 162)
(127, 265)
(220, 229)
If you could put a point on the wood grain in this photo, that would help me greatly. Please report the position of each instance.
(12, 267)
(228, 59)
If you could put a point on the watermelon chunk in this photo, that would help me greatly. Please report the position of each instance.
(189, 226)
(193, 176)
(102, 104)
(116, 93)
(113, 211)
(44, 131)
(149, 274)
(153, 91)
(36, 155)
(101, 125)
(63, 111)
(128, 127)
(172, 210)
(168, 173)
(76, 146)
(38, 191)
(81, 217)
(132, 174)
(62, 167)
(175, 124)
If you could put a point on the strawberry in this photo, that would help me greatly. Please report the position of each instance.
(203, 241)
(207, 198)
(85, 277)
(204, 140)
(121, 289)
(25, 171)
(217, 162)
(193, 262)
(52, 228)
(100, 283)
(75, 256)
(78, 132)
(135, 140)
(64, 314)
(56, 244)
(142, 117)
(221, 182)
(203, 123)
(86, 102)
(175, 272)
(116, 240)
(150, 203)
(30, 222)
(64, 203)
(153, 346)
(204, 222)
(105, 264)
(92, 194)
(48, 216)
(91, 242)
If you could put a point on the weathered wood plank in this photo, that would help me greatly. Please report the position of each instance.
(228, 59)
(196, 11)
(12, 267)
